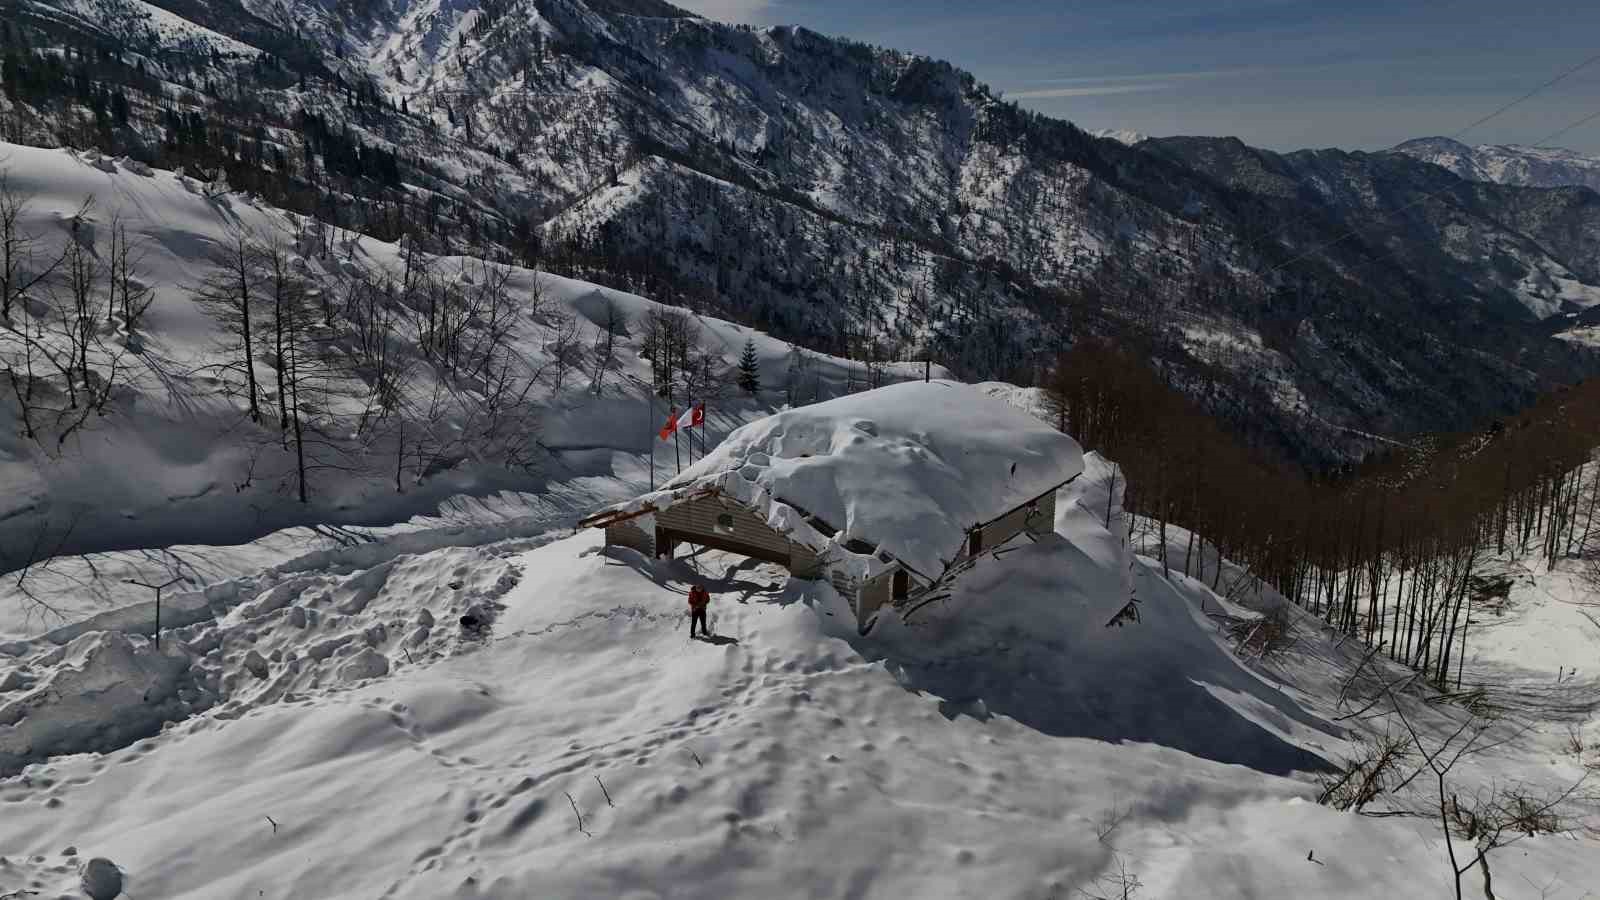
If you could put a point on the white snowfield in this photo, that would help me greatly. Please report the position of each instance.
(175, 464)
(316, 722)
(348, 739)
(906, 468)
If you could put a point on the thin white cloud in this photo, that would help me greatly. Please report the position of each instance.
(748, 12)
(1153, 76)
(1090, 91)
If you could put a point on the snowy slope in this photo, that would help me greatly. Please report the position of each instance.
(175, 462)
(1007, 744)
(136, 21)
(870, 201)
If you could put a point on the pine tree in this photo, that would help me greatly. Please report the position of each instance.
(749, 369)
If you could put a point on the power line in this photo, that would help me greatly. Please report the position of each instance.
(1551, 83)
(1583, 121)
(1498, 112)
(1425, 197)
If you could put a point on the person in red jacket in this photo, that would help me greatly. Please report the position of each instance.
(699, 599)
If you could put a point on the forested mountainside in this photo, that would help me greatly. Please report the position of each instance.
(1508, 163)
(857, 200)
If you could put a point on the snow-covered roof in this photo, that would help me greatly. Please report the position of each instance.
(906, 469)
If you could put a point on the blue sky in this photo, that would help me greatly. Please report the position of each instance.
(1282, 74)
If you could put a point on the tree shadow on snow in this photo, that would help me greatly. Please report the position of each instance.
(679, 574)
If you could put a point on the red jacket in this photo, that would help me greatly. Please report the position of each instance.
(699, 597)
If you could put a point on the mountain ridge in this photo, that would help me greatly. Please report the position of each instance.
(1509, 164)
(879, 204)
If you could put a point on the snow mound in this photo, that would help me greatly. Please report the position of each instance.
(105, 692)
(906, 468)
(1030, 635)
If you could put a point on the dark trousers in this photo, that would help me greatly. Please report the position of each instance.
(698, 615)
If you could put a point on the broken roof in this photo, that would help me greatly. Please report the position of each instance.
(905, 469)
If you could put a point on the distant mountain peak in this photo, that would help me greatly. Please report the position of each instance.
(1121, 135)
(1513, 164)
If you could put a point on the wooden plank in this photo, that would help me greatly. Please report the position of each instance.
(701, 517)
(719, 543)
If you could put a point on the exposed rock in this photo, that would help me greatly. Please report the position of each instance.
(102, 880)
(256, 664)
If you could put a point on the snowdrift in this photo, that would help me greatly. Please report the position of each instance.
(99, 693)
(1030, 635)
(361, 744)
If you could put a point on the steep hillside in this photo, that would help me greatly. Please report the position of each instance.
(385, 380)
(866, 202)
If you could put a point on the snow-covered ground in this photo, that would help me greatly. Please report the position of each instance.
(175, 465)
(316, 721)
(337, 734)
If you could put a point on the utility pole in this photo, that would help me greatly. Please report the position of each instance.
(158, 588)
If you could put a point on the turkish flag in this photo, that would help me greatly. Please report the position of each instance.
(671, 427)
(694, 415)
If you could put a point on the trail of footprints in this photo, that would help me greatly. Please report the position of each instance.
(517, 789)
(39, 875)
(399, 715)
(490, 788)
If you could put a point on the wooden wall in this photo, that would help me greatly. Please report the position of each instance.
(629, 534)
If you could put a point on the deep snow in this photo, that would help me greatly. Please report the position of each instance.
(316, 723)
(173, 481)
(906, 469)
(1006, 743)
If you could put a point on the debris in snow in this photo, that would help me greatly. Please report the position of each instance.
(256, 664)
(105, 692)
(102, 880)
(369, 663)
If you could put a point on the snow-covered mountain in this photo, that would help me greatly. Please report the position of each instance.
(429, 686)
(1508, 163)
(1121, 135)
(862, 201)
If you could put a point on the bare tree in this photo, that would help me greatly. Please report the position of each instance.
(614, 323)
(283, 294)
(130, 297)
(669, 336)
(233, 292)
(16, 251)
(78, 302)
(563, 347)
(63, 338)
